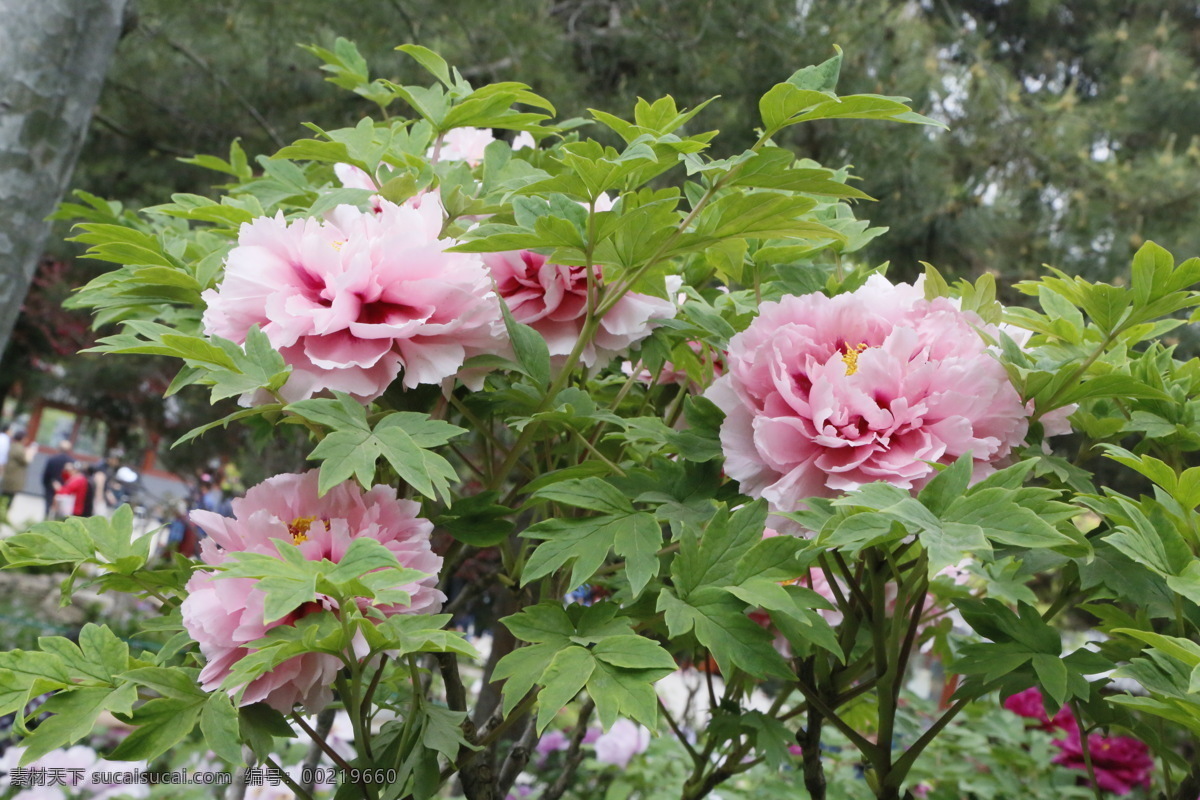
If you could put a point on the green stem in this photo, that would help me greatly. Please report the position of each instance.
(592, 449)
(1086, 747)
(519, 711)
(334, 755)
(296, 788)
(365, 708)
(864, 745)
(1079, 372)
(904, 763)
(679, 733)
(350, 700)
(886, 662)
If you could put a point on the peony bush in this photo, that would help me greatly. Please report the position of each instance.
(626, 465)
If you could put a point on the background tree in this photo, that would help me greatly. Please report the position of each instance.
(1058, 113)
(53, 54)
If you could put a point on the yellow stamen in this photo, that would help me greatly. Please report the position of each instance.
(298, 528)
(850, 357)
(337, 245)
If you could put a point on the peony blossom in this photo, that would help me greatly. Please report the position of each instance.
(352, 301)
(623, 741)
(1029, 704)
(825, 394)
(1121, 763)
(552, 742)
(225, 614)
(552, 299)
(464, 144)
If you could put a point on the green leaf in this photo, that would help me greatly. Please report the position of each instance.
(821, 77)
(563, 679)
(633, 652)
(543, 623)
(174, 682)
(590, 493)
(1052, 672)
(712, 560)
(772, 739)
(620, 692)
(520, 671)
(73, 715)
(219, 724)
(638, 544)
(477, 520)
(734, 639)
(533, 354)
(161, 724)
(402, 438)
(431, 61)
(1184, 650)
(948, 485)
(583, 542)
(98, 657)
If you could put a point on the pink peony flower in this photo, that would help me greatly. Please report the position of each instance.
(823, 395)
(1029, 704)
(623, 741)
(225, 614)
(464, 144)
(552, 299)
(352, 301)
(1121, 763)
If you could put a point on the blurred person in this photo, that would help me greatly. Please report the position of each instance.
(99, 479)
(5, 446)
(20, 456)
(52, 475)
(72, 492)
(110, 493)
(211, 497)
(92, 474)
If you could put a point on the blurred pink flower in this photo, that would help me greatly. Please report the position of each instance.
(464, 144)
(623, 741)
(1029, 704)
(553, 741)
(1121, 763)
(225, 614)
(823, 395)
(670, 373)
(352, 301)
(552, 299)
(353, 177)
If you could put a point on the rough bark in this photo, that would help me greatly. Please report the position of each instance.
(53, 56)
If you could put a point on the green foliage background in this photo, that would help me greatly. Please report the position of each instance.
(1071, 134)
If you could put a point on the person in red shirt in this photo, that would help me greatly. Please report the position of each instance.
(74, 484)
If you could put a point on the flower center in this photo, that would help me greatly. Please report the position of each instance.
(298, 528)
(850, 356)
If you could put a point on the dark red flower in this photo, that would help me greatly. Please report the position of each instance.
(1029, 704)
(1121, 763)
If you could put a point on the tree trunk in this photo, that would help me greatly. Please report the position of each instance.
(53, 56)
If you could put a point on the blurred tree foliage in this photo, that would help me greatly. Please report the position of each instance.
(1072, 123)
